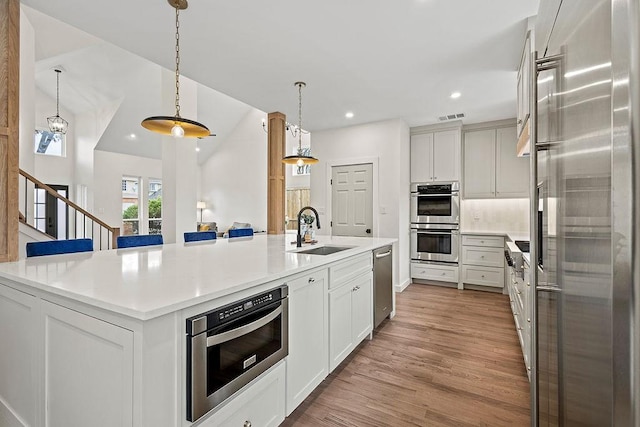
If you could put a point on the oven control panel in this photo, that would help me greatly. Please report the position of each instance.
(232, 311)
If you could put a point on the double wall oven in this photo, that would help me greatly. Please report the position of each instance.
(435, 222)
(231, 345)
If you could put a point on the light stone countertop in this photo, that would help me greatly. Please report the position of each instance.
(151, 281)
(513, 235)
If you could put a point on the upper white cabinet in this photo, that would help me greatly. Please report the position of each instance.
(523, 85)
(491, 167)
(435, 156)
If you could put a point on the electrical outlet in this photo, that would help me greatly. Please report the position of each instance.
(476, 215)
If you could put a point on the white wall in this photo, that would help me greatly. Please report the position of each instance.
(388, 142)
(109, 168)
(234, 179)
(500, 215)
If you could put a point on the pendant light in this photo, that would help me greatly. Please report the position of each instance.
(56, 123)
(300, 159)
(175, 125)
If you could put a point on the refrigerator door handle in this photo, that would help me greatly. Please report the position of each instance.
(553, 289)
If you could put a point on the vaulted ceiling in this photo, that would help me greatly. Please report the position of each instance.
(379, 59)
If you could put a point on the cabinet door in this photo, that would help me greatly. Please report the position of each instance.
(446, 156)
(18, 373)
(362, 307)
(421, 157)
(308, 360)
(340, 326)
(512, 172)
(479, 163)
(88, 370)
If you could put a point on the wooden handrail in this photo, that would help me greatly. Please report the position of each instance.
(115, 231)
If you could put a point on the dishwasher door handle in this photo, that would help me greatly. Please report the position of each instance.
(385, 254)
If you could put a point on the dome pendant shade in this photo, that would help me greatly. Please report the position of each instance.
(176, 126)
(295, 160)
(164, 125)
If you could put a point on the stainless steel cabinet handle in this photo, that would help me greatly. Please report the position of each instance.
(311, 280)
(242, 330)
(247, 424)
(548, 289)
(384, 254)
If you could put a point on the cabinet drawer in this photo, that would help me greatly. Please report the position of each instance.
(261, 404)
(442, 273)
(486, 276)
(491, 241)
(486, 257)
(342, 272)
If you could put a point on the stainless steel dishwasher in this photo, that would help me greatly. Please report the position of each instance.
(382, 284)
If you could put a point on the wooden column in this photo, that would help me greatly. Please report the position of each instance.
(275, 172)
(9, 122)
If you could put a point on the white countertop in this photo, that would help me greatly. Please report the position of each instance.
(151, 281)
(513, 235)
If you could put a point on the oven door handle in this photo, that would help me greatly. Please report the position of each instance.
(434, 231)
(244, 329)
(434, 195)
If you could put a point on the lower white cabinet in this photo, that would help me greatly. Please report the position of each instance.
(483, 260)
(88, 370)
(261, 404)
(308, 360)
(350, 317)
(439, 272)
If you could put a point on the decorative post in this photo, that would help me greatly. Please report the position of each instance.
(275, 173)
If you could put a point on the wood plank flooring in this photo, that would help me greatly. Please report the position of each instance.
(448, 358)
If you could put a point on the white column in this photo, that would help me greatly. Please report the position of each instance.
(179, 164)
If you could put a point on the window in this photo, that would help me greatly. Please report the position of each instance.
(155, 206)
(130, 203)
(49, 143)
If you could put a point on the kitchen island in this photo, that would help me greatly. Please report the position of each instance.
(99, 338)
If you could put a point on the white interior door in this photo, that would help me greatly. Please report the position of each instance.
(352, 200)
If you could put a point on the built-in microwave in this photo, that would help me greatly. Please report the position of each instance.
(435, 242)
(231, 345)
(433, 203)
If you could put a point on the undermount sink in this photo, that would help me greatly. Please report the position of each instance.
(324, 250)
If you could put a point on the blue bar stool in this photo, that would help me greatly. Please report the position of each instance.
(240, 232)
(197, 236)
(134, 241)
(56, 247)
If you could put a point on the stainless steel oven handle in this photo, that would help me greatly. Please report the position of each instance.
(243, 330)
(454, 194)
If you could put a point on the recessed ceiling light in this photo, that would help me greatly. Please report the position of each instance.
(349, 115)
(455, 95)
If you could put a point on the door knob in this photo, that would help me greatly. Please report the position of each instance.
(368, 231)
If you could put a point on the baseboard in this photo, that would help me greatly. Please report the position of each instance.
(403, 286)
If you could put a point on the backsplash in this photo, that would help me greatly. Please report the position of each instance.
(500, 215)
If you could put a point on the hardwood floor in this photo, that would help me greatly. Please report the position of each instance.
(448, 358)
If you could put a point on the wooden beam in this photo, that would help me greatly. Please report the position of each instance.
(275, 171)
(9, 123)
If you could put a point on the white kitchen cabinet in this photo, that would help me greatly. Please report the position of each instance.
(308, 359)
(512, 172)
(491, 166)
(260, 404)
(479, 164)
(483, 260)
(350, 317)
(439, 272)
(523, 85)
(18, 364)
(435, 156)
(88, 370)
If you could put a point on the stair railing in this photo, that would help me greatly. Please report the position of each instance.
(80, 223)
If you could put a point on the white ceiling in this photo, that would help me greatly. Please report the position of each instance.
(380, 59)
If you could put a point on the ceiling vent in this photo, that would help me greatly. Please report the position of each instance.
(451, 117)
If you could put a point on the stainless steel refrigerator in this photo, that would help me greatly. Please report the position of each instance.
(584, 219)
